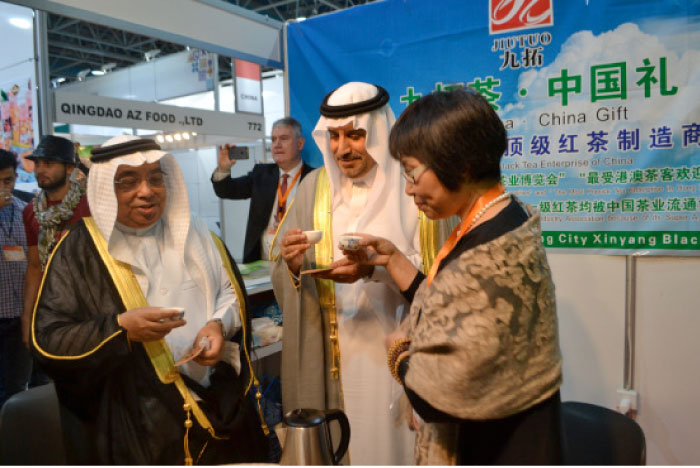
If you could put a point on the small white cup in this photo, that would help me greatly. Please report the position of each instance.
(314, 237)
(348, 242)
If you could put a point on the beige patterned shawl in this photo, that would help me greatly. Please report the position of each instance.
(485, 345)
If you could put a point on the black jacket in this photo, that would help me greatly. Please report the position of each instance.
(121, 413)
(260, 185)
(24, 196)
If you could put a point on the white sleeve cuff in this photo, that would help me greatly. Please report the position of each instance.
(219, 176)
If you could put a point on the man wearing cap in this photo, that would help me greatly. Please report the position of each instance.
(15, 360)
(335, 322)
(270, 187)
(60, 203)
(108, 329)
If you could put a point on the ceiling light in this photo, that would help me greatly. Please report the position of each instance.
(185, 135)
(106, 68)
(194, 133)
(177, 137)
(60, 79)
(160, 139)
(22, 23)
(82, 74)
(151, 54)
(169, 138)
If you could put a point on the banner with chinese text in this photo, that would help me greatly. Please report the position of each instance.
(601, 100)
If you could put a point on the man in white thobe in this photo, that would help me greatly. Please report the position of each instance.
(335, 321)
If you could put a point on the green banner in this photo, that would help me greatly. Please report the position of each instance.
(622, 240)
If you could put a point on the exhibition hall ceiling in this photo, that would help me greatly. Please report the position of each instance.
(292, 9)
(78, 48)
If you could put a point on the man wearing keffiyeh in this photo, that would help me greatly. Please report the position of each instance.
(108, 327)
(335, 321)
(60, 204)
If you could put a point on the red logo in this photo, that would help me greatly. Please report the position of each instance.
(512, 15)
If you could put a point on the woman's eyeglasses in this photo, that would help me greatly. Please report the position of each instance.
(414, 174)
(130, 183)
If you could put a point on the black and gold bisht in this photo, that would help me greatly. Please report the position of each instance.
(121, 402)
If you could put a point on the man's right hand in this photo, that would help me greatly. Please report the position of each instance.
(149, 323)
(224, 163)
(292, 248)
(5, 198)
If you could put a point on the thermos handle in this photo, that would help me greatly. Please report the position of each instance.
(344, 433)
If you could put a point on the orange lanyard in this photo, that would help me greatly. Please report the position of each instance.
(459, 232)
(282, 199)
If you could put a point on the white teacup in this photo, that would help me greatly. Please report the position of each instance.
(313, 237)
(349, 242)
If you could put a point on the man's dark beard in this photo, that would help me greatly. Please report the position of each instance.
(53, 186)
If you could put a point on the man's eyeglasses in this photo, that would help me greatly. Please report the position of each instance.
(414, 174)
(130, 183)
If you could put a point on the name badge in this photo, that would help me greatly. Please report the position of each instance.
(14, 253)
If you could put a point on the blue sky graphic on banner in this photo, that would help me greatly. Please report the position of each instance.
(600, 99)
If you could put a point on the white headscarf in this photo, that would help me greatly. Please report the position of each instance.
(388, 207)
(183, 237)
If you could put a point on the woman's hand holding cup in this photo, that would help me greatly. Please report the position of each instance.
(378, 251)
(371, 250)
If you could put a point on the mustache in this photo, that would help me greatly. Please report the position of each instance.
(348, 157)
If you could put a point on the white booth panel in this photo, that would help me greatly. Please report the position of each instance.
(141, 82)
(209, 204)
(234, 213)
(273, 99)
(590, 292)
(668, 358)
(18, 82)
(197, 166)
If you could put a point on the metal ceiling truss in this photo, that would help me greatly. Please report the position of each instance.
(76, 45)
(283, 10)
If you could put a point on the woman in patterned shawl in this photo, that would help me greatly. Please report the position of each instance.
(479, 354)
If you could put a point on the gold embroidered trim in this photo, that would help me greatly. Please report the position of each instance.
(241, 307)
(36, 344)
(158, 352)
(274, 238)
(324, 257)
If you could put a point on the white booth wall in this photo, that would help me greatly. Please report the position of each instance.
(17, 58)
(227, 217)
(591, 303)
(17, 62)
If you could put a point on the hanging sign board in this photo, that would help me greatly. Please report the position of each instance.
(248, 87)
(599, 98)
(110, 112)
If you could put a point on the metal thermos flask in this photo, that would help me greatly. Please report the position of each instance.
(308, 437)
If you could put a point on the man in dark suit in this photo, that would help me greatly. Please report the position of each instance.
(270, 187)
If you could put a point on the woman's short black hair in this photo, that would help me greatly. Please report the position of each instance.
(457, 134)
